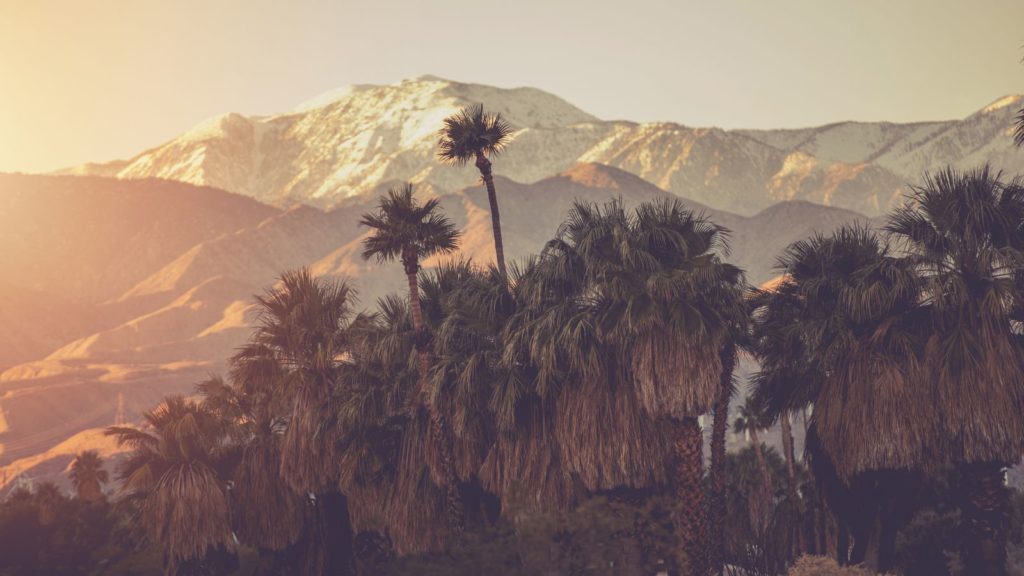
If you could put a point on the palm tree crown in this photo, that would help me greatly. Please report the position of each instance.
(173, 470)
(625, 318)
(471, 132)
(88, 476)
(303, 331)
(843, 332)
(404, 229)
(963, 231)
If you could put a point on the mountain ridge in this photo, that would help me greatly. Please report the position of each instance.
(350, 141)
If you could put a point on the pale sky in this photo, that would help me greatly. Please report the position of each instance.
(102, 79)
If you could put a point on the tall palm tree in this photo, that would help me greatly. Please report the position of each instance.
(173, 471)
(844, 332)
(470, 307)
(750, 422)
(716, 474)
(306, 327)
(792, 484)
(772, 344)
(624, 322)
(88, 476)
(472, 134)
(963, 230)
(389, 456)
(403, 229)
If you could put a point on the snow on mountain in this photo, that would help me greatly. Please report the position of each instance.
(910, 150)
(351, 140)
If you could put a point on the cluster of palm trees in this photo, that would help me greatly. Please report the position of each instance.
(584, 371)
(908, 347)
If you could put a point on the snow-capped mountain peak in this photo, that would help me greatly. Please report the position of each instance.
(353, 139)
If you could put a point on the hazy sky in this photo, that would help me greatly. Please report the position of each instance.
(101, 79)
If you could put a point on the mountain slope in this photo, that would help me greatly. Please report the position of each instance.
(69, 245)
(90, 239)
(353, 140)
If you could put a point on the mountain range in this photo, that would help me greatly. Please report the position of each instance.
(130, 280)
(348, 142)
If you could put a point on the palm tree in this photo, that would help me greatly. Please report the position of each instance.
(747, 542)
(794, 500)
(390, 460)
(404, 229)
(963, 232)
(472, 134)
(625, 322)
(750, 422)
(843, 331)
(173, 471)
(716, 474)
(303, 328)
(266, 512)
(772, 344)
(524, 465)
(306, 328)
(48, 498)
(88, 476)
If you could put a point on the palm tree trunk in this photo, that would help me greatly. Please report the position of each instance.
(842, 544)
(984, 508)
(766, 477)
(762, 464)
(340, 541)
(417, 323)
(438, 431)
(791, 492)
(887, 538)
(453, 500)
(690, 514)
(716, 507)
(484, 165)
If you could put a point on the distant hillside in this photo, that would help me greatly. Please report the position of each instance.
(90, 239)
(182, 315)
(69, 244)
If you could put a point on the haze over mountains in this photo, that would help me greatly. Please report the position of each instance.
(138, 281)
